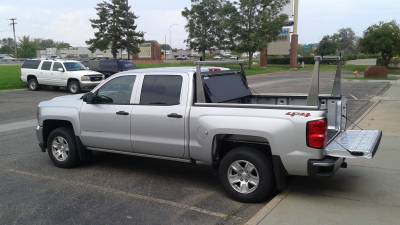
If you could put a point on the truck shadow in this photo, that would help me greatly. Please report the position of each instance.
(195, 174)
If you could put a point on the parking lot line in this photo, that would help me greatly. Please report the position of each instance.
(17, 125)
(127, 194)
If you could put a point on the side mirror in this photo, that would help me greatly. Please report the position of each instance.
(87, 68)
(60, 70)
(89, 98)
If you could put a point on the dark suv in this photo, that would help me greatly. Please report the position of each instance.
(109, 67)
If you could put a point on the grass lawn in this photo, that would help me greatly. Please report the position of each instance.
(10, 77)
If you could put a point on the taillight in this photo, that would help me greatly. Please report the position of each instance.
(316, 134)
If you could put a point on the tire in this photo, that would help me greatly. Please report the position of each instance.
(257, 182)
(33, 84)
(62, 148)
(74, 87)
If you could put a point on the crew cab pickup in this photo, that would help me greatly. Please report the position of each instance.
(207, 115)
(59, 73)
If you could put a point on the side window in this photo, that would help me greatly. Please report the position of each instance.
(57, 66)
(161, 90)
(46, 65)
(118, 90)
(31, 64)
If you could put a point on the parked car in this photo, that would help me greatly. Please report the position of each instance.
(182, 58)
(217, 57)
(109, 67)
(207, 115)
(59, 73)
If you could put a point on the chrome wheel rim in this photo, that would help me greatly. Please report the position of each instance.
(60, 148)
(243, 176)
(73, 88)
(32, 85)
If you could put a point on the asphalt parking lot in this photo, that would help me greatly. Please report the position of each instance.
(117, 189)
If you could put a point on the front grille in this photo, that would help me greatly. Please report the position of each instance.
(96, 77)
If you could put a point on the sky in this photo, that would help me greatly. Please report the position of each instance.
(68, 20)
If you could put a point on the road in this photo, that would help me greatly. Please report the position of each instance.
(117, 189)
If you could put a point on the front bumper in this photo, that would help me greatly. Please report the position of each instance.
(325, 167)
(39, 136)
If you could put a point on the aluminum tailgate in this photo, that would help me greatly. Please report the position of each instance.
(355, 144)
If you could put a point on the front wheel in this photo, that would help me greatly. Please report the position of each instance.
(74, 87)
(246, 175)
(62, 148)
(33, 84)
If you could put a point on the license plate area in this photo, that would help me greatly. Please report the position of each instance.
(355, 144)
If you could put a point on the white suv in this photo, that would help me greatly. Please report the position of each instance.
(61, 73)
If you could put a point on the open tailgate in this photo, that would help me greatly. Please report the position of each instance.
(355, 144)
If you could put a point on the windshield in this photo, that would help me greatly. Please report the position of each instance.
(74, 66)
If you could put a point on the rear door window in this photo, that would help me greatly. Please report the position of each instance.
(31, 64)
(57, 66)
(161, 90)
(46, 65)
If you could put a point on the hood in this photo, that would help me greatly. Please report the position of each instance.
(67, 100)
(84, 72)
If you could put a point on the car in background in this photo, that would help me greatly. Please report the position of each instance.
(59, 73)
(217, 57)
(182, 58)
(109, 67)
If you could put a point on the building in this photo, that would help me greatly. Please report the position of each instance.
(77, 53)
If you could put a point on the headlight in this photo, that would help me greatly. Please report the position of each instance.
(85, 78)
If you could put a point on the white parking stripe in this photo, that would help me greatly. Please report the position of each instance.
(17, 125)
(126, 194)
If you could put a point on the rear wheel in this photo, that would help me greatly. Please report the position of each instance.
(74, 87)
(246, 175)
(62, 148)
(33, 84)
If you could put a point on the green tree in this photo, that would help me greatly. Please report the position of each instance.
(49, 43)
(259, 23)
(202, 25)
(7, 46)
(115, 28)
(26, 48)
(165, 47)
(346, 40)
(327, 46)
(382, 38)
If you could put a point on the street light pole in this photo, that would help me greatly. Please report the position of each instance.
(13, 23)
(170, 35)
(295, 36)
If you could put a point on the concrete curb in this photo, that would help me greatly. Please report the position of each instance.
(12, 90)
(267, 209)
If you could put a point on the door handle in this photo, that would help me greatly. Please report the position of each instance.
(175, 115)
(122, 113)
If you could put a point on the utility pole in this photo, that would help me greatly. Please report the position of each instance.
(13, 23)
(295, 37)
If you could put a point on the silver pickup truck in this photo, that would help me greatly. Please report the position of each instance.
(207, 115)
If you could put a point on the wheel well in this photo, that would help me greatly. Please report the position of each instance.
(223, 143)
(72, 79)
(50, 125)
(31, 77)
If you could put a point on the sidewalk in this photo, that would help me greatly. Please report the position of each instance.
(368, 192)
